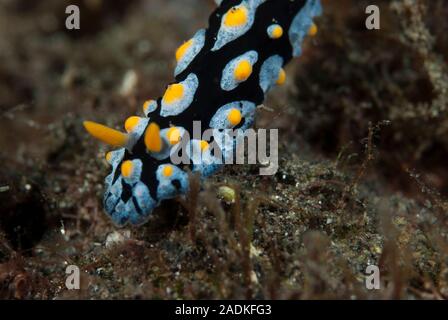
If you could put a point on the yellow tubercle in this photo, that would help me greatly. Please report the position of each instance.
(126, 168)
(109, 157)
(173, 93)
(203, 145)
(167, 171)
(153, 142)
(234, 116)
(243, 70)
(131, 123)
(281, 77)
(173, 135)
(146, 105)
(105, 134)
(180, 52)
(313, 30)
(277, 32)
(236, 17)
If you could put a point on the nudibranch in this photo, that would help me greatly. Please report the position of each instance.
(222, 74)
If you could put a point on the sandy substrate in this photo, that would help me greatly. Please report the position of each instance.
(363, 175)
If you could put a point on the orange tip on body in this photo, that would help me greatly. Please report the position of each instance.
(174, 92)
(203, 145)
(313, 30)
(168, 171)
(180, 52)
(109, 157)
(173, 135)
(243, 70)
(281, 77)
(153, 141)
(131, 123)
(236, 17)
(127, 168)
(234, 116)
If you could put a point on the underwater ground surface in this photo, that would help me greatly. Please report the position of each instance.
(363, 175)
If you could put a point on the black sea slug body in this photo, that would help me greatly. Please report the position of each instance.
(222, 74)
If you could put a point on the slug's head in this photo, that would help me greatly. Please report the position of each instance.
(142, 175)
